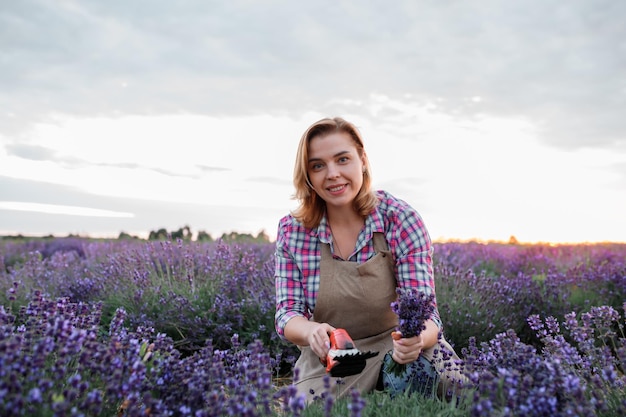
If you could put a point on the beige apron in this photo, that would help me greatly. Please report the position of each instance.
(358, 297)
(355, 297)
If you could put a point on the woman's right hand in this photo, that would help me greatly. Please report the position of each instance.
(319, 339)
(304, 332)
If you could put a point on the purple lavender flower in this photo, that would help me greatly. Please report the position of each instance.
(413, 308)
(357, 403)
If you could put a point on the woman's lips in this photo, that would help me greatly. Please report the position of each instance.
(336, 188)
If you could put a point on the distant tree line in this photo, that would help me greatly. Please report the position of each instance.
(185, 234)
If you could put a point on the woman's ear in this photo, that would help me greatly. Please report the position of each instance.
(364, 161)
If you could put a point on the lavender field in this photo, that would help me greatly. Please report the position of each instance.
(173, 328)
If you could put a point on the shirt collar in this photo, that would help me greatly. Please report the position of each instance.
(322, 231)
(373, 223)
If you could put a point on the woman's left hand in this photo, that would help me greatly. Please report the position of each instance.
(406, 350)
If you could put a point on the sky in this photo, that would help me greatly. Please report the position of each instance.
(492, 119)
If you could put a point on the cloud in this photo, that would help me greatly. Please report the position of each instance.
(32, 152)
(54, 209)
(148, 216)
(41, 192)
(206, 168)
(60, 209)
(271, 181)
(560, 65)
(42, 153)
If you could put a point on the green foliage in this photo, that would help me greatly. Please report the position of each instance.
(185, 234)
(484, 309)
(204, 237)
(379, 404)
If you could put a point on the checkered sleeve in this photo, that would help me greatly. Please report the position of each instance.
(413, 251)
(290, 300)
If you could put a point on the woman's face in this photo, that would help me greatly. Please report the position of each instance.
(335, 168)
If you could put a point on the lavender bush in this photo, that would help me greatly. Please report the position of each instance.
(55, 361)
(184, 328)
(583, 378)
(192, 292)
(483, 290)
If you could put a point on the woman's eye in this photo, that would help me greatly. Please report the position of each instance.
(343, 159)
(316, 167)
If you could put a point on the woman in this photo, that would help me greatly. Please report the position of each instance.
(339, 258)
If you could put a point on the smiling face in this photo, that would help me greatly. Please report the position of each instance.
(335, 168)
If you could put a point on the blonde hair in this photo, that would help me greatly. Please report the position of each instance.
(312, 206)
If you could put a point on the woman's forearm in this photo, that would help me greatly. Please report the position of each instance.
(297, 330)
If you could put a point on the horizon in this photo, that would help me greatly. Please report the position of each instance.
(512, 240)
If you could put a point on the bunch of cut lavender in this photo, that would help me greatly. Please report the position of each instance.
(413, 308)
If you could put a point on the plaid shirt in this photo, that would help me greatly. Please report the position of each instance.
(298, 255)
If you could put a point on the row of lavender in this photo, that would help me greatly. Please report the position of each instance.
(172, 328)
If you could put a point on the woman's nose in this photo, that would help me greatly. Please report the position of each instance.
(333, 171)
